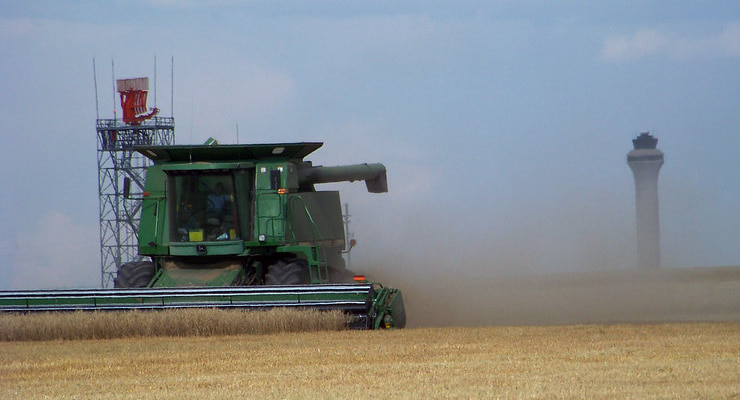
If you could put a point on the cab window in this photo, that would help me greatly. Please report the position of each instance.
(202, 207)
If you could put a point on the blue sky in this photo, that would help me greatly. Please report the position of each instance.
(504, 124)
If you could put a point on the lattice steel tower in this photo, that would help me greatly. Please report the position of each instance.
(121, 173)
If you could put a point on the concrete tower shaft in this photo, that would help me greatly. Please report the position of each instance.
(645, 161)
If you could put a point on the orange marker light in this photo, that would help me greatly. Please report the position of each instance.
(359, 278)
(283, 191)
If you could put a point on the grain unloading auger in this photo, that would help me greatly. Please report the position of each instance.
(238, 226)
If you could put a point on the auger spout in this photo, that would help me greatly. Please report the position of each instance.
(374, 175)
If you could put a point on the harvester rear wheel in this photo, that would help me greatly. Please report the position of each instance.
(134, 274)
(287, 272)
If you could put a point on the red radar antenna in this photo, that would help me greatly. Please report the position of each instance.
(133, 100)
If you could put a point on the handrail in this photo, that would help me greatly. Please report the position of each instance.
(318, 250)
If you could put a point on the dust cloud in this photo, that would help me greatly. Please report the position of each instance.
(539, 271)
(668, 295)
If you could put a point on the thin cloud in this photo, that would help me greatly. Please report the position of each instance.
(647, 43)
(17, 28)
(57, 33)
(59, 253)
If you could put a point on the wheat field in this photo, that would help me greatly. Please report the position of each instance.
(183, 322)
(670, 361)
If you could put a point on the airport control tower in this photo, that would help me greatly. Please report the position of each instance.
(645, 161)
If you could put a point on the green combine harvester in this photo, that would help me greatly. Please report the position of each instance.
(238, 226)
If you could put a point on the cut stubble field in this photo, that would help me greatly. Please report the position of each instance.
(675, 360)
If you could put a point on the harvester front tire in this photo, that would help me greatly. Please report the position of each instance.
(134, 274)
(287, 272)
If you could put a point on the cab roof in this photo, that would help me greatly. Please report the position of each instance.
(229, 152)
